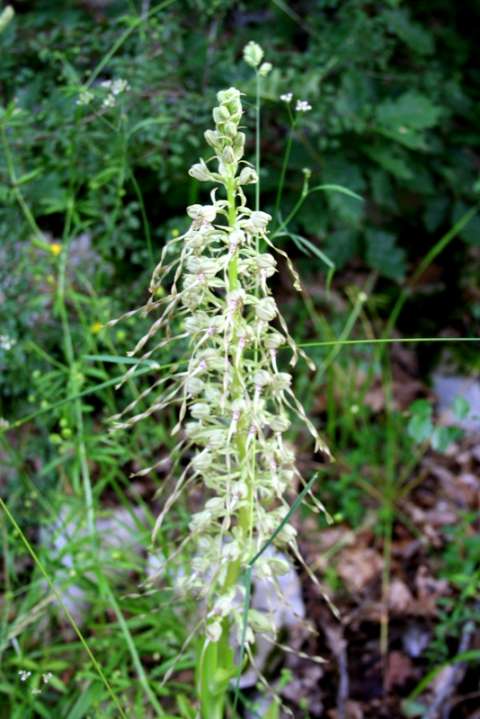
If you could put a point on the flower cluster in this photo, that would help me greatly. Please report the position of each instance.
(253, 56)
(113, 89)
(300, 105)
(234, 401)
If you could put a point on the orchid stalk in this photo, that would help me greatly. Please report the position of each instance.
(234, 402)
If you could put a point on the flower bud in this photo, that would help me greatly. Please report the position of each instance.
(201, 410)
(200, 171)
(278, 566)
(213, 630)
(260, 220)
(265, 68)
(266, 263)
(266, 309)
(281, 381)
(203, 265)
(261, 622)
(230, 130)
(194, 385)
(220, 114)
(202, 461)
(228, 156)
(279, 423)
(274, 340)
(252, 54)
(248, 176)
(261, 378)
(228, 96)
(213, 138)
(204, 213)
(239, 145)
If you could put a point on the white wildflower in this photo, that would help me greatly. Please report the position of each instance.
(85, 98)
(6, 342)
(119, 85)
(303, 106)
(109, 102)
(286, 97)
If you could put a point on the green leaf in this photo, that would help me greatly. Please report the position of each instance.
(384, 256)
(341, 246)
(435, 212)
(185, 708)
(412, 139)
(411, 33)
(461, 407)
(410, 111)
(340, 175)
(420, 426)
(471, 232)
(391, 159)
(443, 437)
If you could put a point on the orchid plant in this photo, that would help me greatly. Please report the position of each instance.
(234, 402)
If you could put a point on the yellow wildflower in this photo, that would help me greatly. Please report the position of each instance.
(55, 248)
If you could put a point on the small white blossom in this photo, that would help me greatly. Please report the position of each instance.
(84, 98)
(303, 106)
(109, 101)
(286, 97)
(6, 342)
(24, 675)
(120, 85)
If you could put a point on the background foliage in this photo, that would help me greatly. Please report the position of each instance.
(89, 193)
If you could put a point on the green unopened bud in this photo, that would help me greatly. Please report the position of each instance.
(228, 96)
(261, 622)
(252, 54)
(265, 68)
(220, 114)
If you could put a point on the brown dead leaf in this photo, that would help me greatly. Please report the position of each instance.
(358, 567)
(400, 598)
(399, 670)
(353, 710)
(429, 590)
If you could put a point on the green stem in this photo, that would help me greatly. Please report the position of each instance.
(286, 159)
(257, 140)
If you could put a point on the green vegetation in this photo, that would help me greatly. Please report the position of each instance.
(372, 185)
